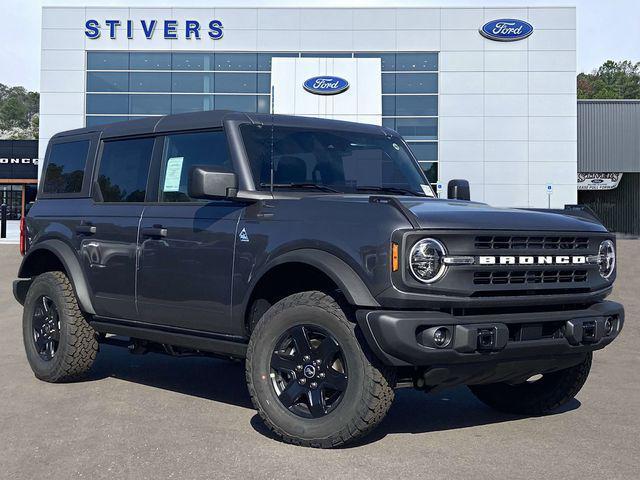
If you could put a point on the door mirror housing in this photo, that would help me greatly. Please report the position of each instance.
(458, 190)
(207, 182)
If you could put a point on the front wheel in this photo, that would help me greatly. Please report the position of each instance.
(538, 397)
(311, 380)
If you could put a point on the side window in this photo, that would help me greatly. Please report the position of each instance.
(124, 166)
(183, 151)
(65, 167)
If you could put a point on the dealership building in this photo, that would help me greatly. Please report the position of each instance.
(485, 94)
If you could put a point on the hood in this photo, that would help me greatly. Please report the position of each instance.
(455, 214)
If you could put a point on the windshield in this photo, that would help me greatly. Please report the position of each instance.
(331, 161)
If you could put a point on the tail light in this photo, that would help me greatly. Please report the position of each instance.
(23, 236)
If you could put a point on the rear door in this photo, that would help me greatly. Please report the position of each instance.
(187, 245)
(110, 231)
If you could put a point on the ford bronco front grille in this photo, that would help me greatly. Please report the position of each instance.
(531, 242)
(515, 277)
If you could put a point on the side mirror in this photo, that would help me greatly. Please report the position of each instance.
(208, 182)
(458, 190)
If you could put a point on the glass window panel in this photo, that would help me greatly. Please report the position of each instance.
(107, 103)
(236, 83)
(107, 81)
(191, 103)
(415, 105)
(107, 61)
(242, 103)
(416, 83)
(264, 59)
(150, 61)
(325, 55)
(181, 153)
(264, 104)
(264, 83)
(236, 61)
(425, 150)
(193, 61)
(192, 82)
(123, 170)
(389, 105)
(389, 123)
(388, 83)
(94, 121)
(65, 167)
(388, 60)
(430, 170)
(150, 104)
(417, 128)
(150, 82)
(417, 61)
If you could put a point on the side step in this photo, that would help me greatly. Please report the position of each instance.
(229, 345)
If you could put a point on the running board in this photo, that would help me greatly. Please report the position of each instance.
(197, 340)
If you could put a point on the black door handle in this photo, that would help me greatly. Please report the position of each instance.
(86, 229)
(154, 231)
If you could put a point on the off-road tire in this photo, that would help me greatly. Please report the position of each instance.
(369, 392)
(77, 346)
(543, 396)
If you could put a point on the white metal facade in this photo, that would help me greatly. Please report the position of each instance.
(506, 110)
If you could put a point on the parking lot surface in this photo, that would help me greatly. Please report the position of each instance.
(157, 417)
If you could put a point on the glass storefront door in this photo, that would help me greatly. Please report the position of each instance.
(11, 195)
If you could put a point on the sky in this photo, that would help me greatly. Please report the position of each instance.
(606, 29)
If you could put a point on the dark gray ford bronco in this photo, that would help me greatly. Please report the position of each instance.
(317, 251)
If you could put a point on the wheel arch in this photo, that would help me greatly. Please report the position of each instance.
(319, 269)
(52, 255)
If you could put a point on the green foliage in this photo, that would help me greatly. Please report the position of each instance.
(613, 80)
(18, 112)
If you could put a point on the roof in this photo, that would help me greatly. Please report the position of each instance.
(609, 135)
(212, 119)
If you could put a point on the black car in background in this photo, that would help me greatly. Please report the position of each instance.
(317, 251)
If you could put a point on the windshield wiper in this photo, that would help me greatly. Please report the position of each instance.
(316, 186)
(398, 190)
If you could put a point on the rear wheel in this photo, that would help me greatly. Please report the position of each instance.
(60, 345)
(311, 380)
(537, 397)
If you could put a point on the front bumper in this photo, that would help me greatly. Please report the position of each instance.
(404, 338)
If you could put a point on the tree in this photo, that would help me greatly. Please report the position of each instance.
(613, 80)
(18, 113)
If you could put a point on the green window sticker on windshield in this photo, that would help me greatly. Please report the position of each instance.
(172, 175)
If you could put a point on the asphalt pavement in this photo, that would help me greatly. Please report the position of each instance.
(155, 417)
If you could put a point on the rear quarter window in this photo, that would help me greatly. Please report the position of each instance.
(65, 167)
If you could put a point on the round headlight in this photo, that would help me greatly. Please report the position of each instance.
(606, 258)
(426, 260)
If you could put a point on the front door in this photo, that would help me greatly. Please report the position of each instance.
(110, 231)
(187, 245)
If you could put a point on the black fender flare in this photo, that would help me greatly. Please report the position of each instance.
(345, 277)
(71, 264)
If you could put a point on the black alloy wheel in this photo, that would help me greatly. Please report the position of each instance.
(308, 371)
(46, 328)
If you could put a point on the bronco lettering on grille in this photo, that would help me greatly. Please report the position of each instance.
(536, 260)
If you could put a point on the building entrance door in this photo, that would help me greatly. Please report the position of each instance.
(11, 195)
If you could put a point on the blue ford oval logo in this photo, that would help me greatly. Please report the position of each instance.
(506, 30)
(326, 85)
